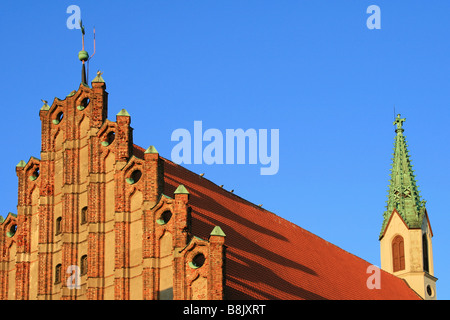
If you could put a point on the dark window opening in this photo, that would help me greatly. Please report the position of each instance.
(135, 177)
(12, 230)
(197, 261)
(58, 226)
(164, 218)
(426, 267)
(83, 104)
(58, 274)
(83, 219)
(110, 137)
(58, 118)
(398, 254)
(83, 265)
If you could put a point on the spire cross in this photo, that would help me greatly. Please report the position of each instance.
(399, 122)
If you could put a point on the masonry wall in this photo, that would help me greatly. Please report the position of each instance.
(93, 221)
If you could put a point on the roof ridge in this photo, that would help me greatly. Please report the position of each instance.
(222, 189)
(290, 223)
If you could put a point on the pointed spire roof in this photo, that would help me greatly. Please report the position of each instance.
(123, 112)
(403, 190)
(45, 107)
(181, 190)
(98, 78)
(217, 231)
(21, 164)
(151, 149)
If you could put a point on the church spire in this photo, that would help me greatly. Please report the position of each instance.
(403, 191)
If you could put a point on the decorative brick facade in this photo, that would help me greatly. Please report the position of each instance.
(101, 218)
(137, 239)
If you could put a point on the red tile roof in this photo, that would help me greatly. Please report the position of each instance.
(268, 257)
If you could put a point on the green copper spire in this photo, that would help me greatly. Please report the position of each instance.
(45, 107)
(123, 112)
(181, 190)
(151, 149)
(403, 192)
(21, 164)
(217, 231)
(98, 78)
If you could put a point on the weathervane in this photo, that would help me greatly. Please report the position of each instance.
(84, 56)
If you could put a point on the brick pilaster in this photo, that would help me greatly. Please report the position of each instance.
(45, 281)
(23, 235)
(154, 176)
(122, 258)
(180, 238)
(45, 217)
(96, 220)
(124, 137)
(216, 272)
(98, 104)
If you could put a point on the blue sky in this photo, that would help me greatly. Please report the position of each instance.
(311, 69)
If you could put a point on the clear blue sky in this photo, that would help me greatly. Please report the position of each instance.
(311, 69)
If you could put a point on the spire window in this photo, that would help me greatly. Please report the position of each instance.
(398, 253)
(426, 266)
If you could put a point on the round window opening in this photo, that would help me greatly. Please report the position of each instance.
(58, 118)
(109, 138)
(12, 231)
(429, 291)
(35, 175)
(197, 261)
(135, 177)
(83, 104)
(164, 218)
